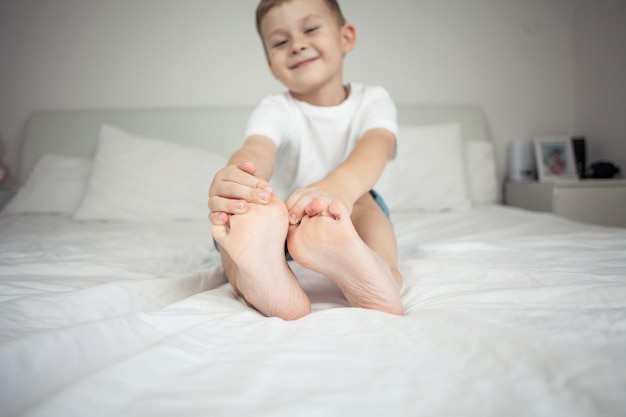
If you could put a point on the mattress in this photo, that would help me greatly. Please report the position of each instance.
(508, 312)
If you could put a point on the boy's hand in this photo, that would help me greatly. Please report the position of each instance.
(312, 201)
(233, 188)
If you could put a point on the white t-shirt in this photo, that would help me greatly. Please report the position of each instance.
(311, 141)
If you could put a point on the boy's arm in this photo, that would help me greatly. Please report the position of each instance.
(351, 179)
(244, 180)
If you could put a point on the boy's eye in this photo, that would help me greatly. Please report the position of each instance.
(311, 29)
(278, 44)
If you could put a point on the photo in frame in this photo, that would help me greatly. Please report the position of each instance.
(554, 157)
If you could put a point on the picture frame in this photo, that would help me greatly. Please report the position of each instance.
(554, 157)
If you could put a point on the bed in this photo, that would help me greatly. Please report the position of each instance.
(113, 301)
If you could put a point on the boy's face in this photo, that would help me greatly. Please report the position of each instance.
(305, 46)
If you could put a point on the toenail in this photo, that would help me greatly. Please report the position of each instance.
(265, 196)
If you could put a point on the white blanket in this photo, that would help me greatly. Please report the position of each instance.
(508, 313)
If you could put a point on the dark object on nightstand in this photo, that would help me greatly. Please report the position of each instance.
(580, 155)
(603, 169)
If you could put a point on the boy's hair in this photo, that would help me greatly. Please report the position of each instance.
(266, 5)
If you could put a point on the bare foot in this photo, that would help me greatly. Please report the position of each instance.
(255, 242)
(329, 244)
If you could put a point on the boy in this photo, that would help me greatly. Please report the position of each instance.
(324, 144)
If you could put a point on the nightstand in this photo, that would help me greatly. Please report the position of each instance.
(601, 202)
(5, 196)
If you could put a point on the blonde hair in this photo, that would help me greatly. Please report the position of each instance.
(266, 5)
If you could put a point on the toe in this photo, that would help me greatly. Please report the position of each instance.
(219, 233)
(337, 210)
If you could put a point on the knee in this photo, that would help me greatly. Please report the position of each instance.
(366, 200)
(363, 206)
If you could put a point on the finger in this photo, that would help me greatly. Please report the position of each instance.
(317, 207)
(248, 167)
(227, 205)
(218, 218)
(236, 174)
(296, 212)
(293, 198)
(238, 191)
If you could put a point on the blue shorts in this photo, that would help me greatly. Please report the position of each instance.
(377, 197)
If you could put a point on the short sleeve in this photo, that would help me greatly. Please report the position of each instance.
(270, 119)
(379, 111)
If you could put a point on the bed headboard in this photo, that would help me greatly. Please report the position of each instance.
(220, 129)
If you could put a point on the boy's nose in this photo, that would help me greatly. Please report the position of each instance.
(298, 49)
(298, 46)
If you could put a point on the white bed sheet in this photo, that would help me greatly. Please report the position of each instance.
(508, 313)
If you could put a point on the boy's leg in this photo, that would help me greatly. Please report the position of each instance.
(375, 229)
(252, 250)
(360, 258)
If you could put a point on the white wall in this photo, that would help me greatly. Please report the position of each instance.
(600, 64)
(515, 58)
(512, 57)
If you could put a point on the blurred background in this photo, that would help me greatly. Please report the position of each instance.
(535, 66)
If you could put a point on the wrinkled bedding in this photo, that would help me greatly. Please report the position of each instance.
(508, 313)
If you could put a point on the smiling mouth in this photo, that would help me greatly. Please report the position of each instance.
(303, 63)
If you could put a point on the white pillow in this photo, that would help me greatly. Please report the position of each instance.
(428, 172)
(56, 185)
(482, 182)
(144, 179)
